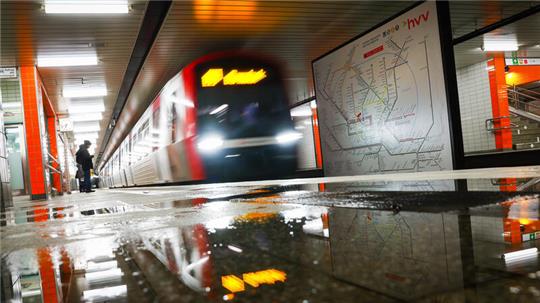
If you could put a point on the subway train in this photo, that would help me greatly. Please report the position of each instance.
(223, 117)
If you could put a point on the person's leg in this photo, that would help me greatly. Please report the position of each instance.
(87, 182)
(81, 185)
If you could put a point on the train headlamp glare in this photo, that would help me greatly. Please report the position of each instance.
(210, 143)
(288, 137)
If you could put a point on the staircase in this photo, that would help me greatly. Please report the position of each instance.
(525, 118)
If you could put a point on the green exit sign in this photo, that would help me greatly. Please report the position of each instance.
(530, 236)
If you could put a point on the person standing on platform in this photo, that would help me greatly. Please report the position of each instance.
(84, 158)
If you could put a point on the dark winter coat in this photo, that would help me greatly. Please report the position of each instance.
(83, 158)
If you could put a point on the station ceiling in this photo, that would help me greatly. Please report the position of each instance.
(295, 32)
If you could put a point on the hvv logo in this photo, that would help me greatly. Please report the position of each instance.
(413, 22)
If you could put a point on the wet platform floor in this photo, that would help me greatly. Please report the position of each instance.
(417, 237)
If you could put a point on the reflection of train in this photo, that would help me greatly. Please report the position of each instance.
(223, 117)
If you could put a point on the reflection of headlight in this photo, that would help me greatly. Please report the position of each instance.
(288, 137)
(210, 143)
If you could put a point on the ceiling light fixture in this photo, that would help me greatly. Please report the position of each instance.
(86, 109)
(85, 129)
(500, 43)
(7, 105)
(86, 7)
(84, 92)
(92, 135)
(56, 61)
(88, 116)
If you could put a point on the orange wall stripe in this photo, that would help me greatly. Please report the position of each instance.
(316, 137)
(31, 126)
(499, 102)
(48, 281)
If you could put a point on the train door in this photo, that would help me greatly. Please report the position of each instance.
(174, 96)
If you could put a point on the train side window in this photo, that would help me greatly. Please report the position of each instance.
(155, 128)
(172, 121)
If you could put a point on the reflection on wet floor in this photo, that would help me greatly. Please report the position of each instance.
(292, 243)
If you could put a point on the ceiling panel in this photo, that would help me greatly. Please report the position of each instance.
(468, 16)
(525, 32)
(27, 32)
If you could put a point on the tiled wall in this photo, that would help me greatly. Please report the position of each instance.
(11, 92)
(475, 106)
(485, 228)
(5, 188)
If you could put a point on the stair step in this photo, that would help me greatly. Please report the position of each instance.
(524, 139)
(528, 131)
(526, 145)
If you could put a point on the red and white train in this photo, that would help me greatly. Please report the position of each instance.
(223, 117)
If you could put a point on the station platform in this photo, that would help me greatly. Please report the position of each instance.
(446, 237)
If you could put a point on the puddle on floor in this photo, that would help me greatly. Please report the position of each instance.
(287, 244)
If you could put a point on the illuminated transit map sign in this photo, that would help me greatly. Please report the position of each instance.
(382, 99)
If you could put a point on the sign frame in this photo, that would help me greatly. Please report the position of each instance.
(449, 76)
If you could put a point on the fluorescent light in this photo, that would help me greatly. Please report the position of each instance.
(90, 106)
(86, 7)
(219, 109)
(105, 293)
(85, 128)
(521, 254)
(84, 92)
(105, 275)
(87, 109)
(86, 117)
(6, 105)
(500, 43)
(67, 60)
(86, 136)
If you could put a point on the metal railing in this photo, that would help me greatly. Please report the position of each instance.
(530, 93)
(524, 99)
(490, 124)
(56, 171)
(52, 159)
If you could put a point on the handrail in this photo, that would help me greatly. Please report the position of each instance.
(529, 104)
(528, 184)
(528, 107)
(54, 169)
(516, 88)
(525, 95)
(53, 158)
(492, 121)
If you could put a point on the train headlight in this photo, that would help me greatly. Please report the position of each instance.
(210, 143)
(288, 137)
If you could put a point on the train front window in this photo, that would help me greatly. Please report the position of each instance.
(240, 110)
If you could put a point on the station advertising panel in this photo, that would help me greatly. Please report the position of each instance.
(382, 100)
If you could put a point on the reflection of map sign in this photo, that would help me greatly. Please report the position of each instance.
(382, 100)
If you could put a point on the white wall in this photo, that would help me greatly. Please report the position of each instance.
(475, 107)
